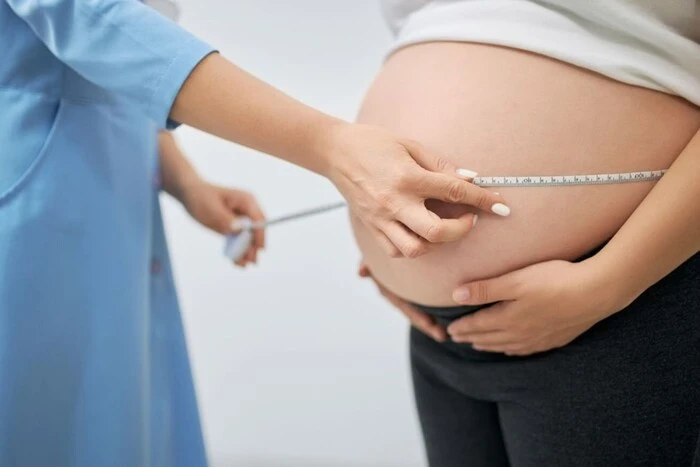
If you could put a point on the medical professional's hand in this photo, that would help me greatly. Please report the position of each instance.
(540, 307)
(219, 208)
(419, 320)
(387, 180)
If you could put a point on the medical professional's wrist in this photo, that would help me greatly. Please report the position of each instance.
(325, 139)
(183, 184)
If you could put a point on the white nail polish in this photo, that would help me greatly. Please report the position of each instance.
(500, 209)
(464, 173)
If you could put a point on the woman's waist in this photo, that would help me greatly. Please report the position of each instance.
(683, 278)
(545, 223)
(448, 313)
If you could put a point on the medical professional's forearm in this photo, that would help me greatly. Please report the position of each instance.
(662, 233)
(224, 100)
(176, 172)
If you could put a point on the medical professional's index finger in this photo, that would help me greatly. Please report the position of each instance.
(256, 214)
(456, 191)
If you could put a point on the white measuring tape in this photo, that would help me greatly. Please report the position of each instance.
(567, 180)
(237, 244)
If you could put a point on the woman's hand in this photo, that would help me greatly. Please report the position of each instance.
(387, 180)
(537, 308)
(420, 321)
(219, 209)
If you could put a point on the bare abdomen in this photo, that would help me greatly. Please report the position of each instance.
(500, 111)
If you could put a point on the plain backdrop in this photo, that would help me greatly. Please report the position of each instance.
(297, 361)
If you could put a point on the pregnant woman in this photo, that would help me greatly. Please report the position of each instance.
(585, 348)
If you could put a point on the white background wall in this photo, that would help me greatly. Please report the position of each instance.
(297, 361)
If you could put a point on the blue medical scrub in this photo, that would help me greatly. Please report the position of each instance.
(93, 362)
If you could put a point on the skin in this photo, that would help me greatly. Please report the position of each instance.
(216, 208)
(524, 262)
(662, 233)
(500, 111)
(385, 179)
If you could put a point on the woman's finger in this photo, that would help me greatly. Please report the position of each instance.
(419, 320)
(424, 323)
(364, 271)
(502, 288)
(491, 319)
(492, 339)
(432, 228)
(408, 243)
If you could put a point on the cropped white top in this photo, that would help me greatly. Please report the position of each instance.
(650, 43)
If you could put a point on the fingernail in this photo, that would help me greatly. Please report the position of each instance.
(474, 219)
(500, 209)
(465, 173)
(496, 193)
(461, 295)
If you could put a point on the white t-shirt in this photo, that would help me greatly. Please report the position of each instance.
(649, 43)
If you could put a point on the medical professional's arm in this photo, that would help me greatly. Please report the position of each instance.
(215, 207)
(126, 47)
(374, 170)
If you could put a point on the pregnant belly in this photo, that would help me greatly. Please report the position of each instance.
(499, 111)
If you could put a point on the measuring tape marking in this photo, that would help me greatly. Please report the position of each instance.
(519, 181)
(568, 180)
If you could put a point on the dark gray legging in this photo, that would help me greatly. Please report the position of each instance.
(625, 393)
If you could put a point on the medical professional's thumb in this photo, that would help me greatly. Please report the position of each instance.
(236, 224)
(224, 221)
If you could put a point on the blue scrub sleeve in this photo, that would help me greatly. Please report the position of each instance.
(122, 46)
